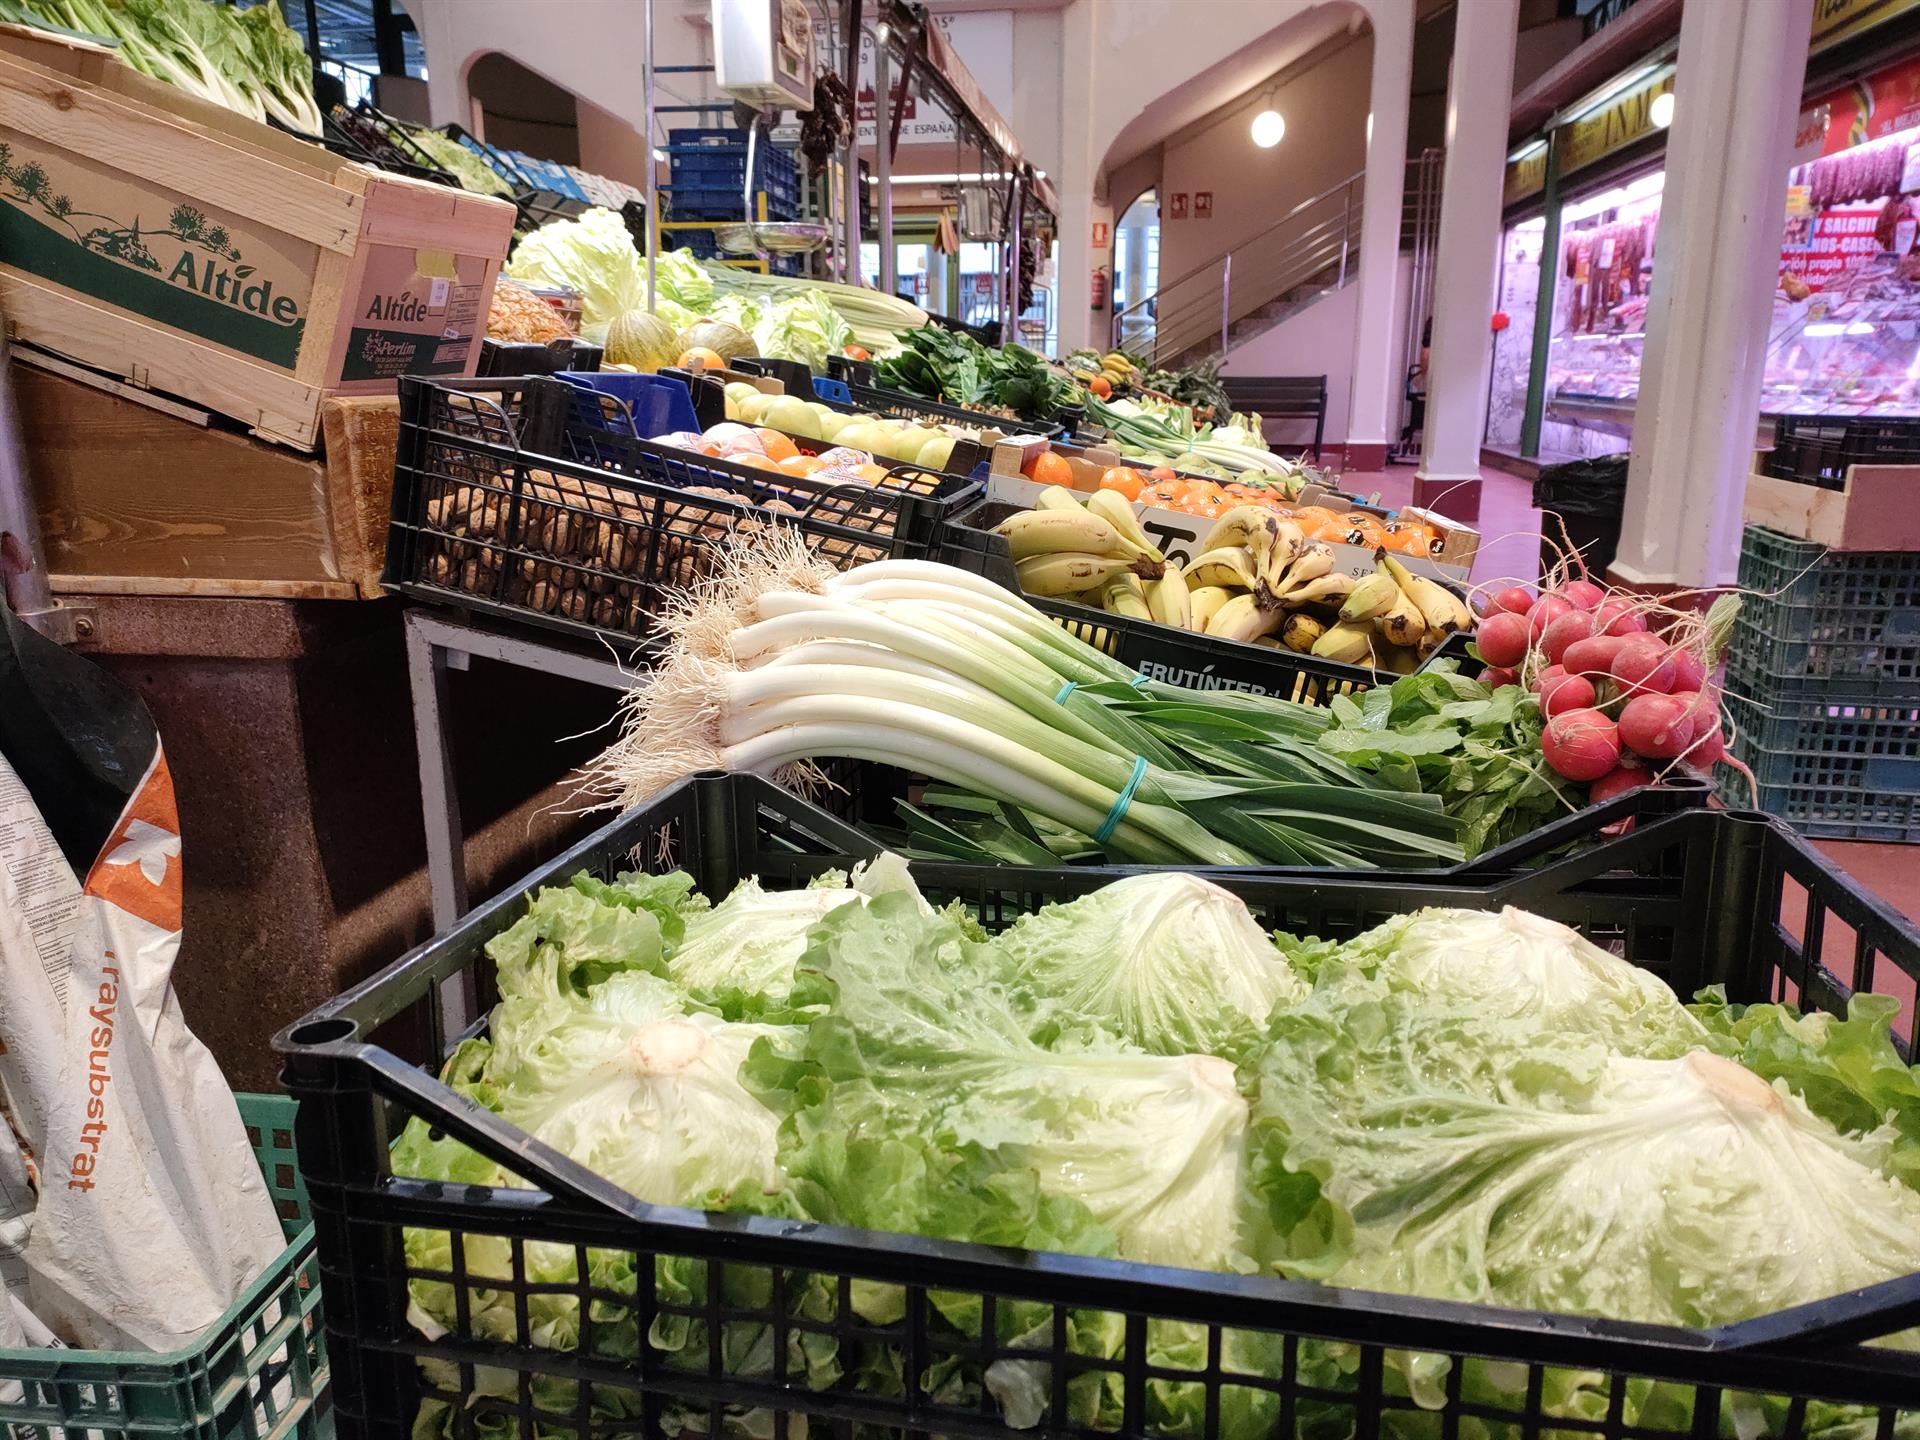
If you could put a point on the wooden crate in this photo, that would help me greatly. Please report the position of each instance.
(143, 498)
(196, 252)
(1873, 510)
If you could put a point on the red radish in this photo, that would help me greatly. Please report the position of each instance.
(1502, 638)
(1494, 676)
(1618, 781)
(1545, 674)
(1657, 726)
(1617, 617)
(1511, 601)
(1546, 610)
(1563, 631)
(1580, 744)
(1583, 594)
(1689, 671)
(1644, 665)
(1591, 657)
(1566, 692)
(1709, 749)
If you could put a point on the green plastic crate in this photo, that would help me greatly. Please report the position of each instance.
(258, 1373)
(1838, 767)
(1814, 622)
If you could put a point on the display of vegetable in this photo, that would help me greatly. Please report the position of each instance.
(1458, 1104)
(249, 60)
(1166, 434)
(931, 668)
(1199, 386)
(462, 164)
(1623, 678)
(592, 255)
(946, 365)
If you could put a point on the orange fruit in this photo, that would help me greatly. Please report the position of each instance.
(856, 352)
(1410, 539)
(874, 474)
(758, 462)
(1164, 472)
(777, 445)
(1100, 386)
(1049, 469)
(800, 466)
(1125, 479)
(700, 357)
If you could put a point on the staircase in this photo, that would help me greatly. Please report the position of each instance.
(1229, 299)
(1311, 252)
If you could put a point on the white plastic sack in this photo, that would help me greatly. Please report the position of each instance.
(151, 1213)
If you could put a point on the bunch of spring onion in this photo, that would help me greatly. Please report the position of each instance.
(782, 663)
(1168, 432)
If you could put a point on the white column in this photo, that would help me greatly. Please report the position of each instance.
(1376, 387)
(1717, 256)
(1478, 94)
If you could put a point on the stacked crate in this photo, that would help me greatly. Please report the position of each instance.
(1823, 686)
(709, 176)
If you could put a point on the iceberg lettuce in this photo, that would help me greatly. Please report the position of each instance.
(1172, 962)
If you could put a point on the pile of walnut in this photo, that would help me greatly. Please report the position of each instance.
(588, 551)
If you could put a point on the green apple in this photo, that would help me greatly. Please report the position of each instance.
(754, 406)
(833, 422)
(739, 390)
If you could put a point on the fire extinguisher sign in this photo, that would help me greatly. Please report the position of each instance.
(1100, 229)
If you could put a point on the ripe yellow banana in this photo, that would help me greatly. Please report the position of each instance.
(1444, 611)
(1371, 597)
(1317, 560)
(1052, 532)
(1069, 574)
(1349, 642)
(1168, 600)
(1299, 631)
(1232, 567)
(1238, 527)
(1057, 497)
(1112, 508)
(1327, 590)
(1242, 618)
(1125, 595)
(1397, 658)
(1202, 602)
(1401, 623)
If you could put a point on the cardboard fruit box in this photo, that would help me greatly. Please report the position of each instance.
(1179, 535)
(196, 252)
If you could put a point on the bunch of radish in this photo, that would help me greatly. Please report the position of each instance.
(1621, 680)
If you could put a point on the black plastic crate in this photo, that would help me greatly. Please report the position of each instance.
(489, 517)
(1819, 449)
(1834, 766)
(1161, 652)
(1813, 620)
(1698, 898)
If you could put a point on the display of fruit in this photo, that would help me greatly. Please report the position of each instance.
(902, 442)
(1256, 577)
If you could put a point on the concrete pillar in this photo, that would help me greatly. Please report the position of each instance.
(1478, 95)
(1717, 256)
(1371, 408)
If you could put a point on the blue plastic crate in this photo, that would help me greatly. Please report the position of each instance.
(1844, 767)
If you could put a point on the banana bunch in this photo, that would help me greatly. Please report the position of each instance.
(1392, 620)
(1257, 577)
(1095, 553)
(1119, 370)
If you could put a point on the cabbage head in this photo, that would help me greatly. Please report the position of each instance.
(593, 254)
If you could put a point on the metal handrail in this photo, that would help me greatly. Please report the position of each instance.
(1265, 269)
(1327, 240)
